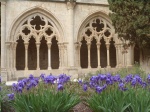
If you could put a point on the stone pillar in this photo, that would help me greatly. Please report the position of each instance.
(3, 39)
(8, 59)
(70, 35)
(89, 56)
(98, 54)
(60, 55)
(38, 55)
(108, 56)
(49, 55)
(11, 56)
(129, 57)
(65, 56)
(120, 55)
(26, 55)
(7, 50)
(117, 55)
(14, 51)
(79, 55)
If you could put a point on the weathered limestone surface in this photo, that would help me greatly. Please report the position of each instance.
(69, 23)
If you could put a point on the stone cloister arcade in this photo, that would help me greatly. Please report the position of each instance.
(38, 42)
(37, 45)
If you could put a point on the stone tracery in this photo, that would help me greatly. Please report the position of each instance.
(32, 32)
(98, 34)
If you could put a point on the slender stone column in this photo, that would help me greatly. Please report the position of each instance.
(7, 50)
(3, 39)
(108, 57)
(38, 56)
(117, 56)
(14, 48)
(26, 55)
(79, 55)
(70, 35)
(60, 57)
(120, 55)
(8, 59)
(49, 55)
(89, 56)
(11, 56)
(98, 54)
(129, 57)
(65, 56)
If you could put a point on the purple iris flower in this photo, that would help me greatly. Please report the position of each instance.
(104, 86)
(50, 79)
(21, 84)
(148, 78)
(14, 87)
(11, 96)
(133, 82)
(19, 89)
(117, 78)
(25, 81)
(144, 84)
(63, 78)
(85, 87)
(92, 84)
(94, 79)
(99, 89)
(102, 77)
(128, 78)
(122, 87)
(31, 77)
(109, 81)
(42, 76)
(29, 86)
(80, 82)
(33, 83)
(0, 79)
(60, 87)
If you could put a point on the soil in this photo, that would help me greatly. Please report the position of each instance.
(81, 107)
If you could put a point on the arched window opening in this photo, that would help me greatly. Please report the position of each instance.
(84, 54)
(136, 54)
(103, 53)
(43, 54)
(54, 54)
(20, 54)
(93, 51)
(32, 54)
(112, 54)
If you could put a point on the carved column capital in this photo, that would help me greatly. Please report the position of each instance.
(107, 46)
(49, 45)
(71, 5)
(98, 45)
(26, 45)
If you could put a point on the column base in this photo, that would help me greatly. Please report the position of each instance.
(26, 69)
(37, 68)
(108, 67)
(49, 68)
(89, 67)
(129, 66)
(4, 76)
(99, 67)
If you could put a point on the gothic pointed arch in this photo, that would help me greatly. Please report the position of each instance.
(98, 32)
(22, 22)
(37, 28)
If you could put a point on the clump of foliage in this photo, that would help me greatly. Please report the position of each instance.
(131, 20)
(114, 93)
(44, 94)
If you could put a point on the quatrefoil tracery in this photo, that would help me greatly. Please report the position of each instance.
(38, 26)
(97, 27)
